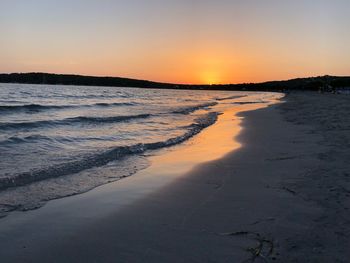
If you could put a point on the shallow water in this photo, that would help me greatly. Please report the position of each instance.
(69, 139)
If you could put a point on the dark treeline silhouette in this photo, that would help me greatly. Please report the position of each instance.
(322, 83)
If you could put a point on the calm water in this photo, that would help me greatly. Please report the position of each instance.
(69, 139)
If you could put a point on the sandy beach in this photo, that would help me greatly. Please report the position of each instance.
(283, 196)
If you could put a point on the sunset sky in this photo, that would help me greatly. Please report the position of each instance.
(179, 41)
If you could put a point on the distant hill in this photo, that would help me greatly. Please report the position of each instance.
(326, 83)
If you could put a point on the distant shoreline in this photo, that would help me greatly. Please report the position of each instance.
(321, 83)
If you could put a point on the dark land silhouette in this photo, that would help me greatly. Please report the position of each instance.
(321, 83)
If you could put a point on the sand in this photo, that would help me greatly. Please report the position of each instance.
(282, 197)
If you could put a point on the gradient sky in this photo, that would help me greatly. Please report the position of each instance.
(180, 41)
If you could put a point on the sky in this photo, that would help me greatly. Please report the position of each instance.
(177, 41)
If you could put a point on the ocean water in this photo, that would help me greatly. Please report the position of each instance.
(62, 140)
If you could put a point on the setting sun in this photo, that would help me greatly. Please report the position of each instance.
(211, 66)
(210, 77)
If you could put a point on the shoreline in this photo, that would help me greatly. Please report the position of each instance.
(193, 145)
(250, 204)
(163, 172)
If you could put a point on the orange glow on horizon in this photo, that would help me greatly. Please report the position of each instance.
(184, 42)
(212, 63)
(210, 77)
(210, 69)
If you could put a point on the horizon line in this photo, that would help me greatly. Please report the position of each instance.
(169, 83)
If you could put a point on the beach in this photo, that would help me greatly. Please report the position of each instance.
(280, 195)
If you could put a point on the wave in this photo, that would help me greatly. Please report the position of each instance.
(34, 138)
(103, 158)
(40, 107)
(94, 96)
(110, 119)
(188, 110)
(103, 104)
(231, 97)
(70, 121)
(248, 102)
(11, 101)
(30, 138)
(32, 107)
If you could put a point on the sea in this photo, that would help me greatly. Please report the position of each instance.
(57, 140)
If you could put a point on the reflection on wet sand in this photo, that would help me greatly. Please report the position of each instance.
(211, 144)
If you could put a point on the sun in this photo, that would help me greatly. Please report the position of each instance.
(210, 68)
(210, 77)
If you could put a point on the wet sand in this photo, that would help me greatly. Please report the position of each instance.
(282, 197)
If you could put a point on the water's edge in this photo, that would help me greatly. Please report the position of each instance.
(138, 163)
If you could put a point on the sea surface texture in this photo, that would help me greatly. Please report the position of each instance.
(62, 140)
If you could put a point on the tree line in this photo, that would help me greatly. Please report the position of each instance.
(321, 83)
